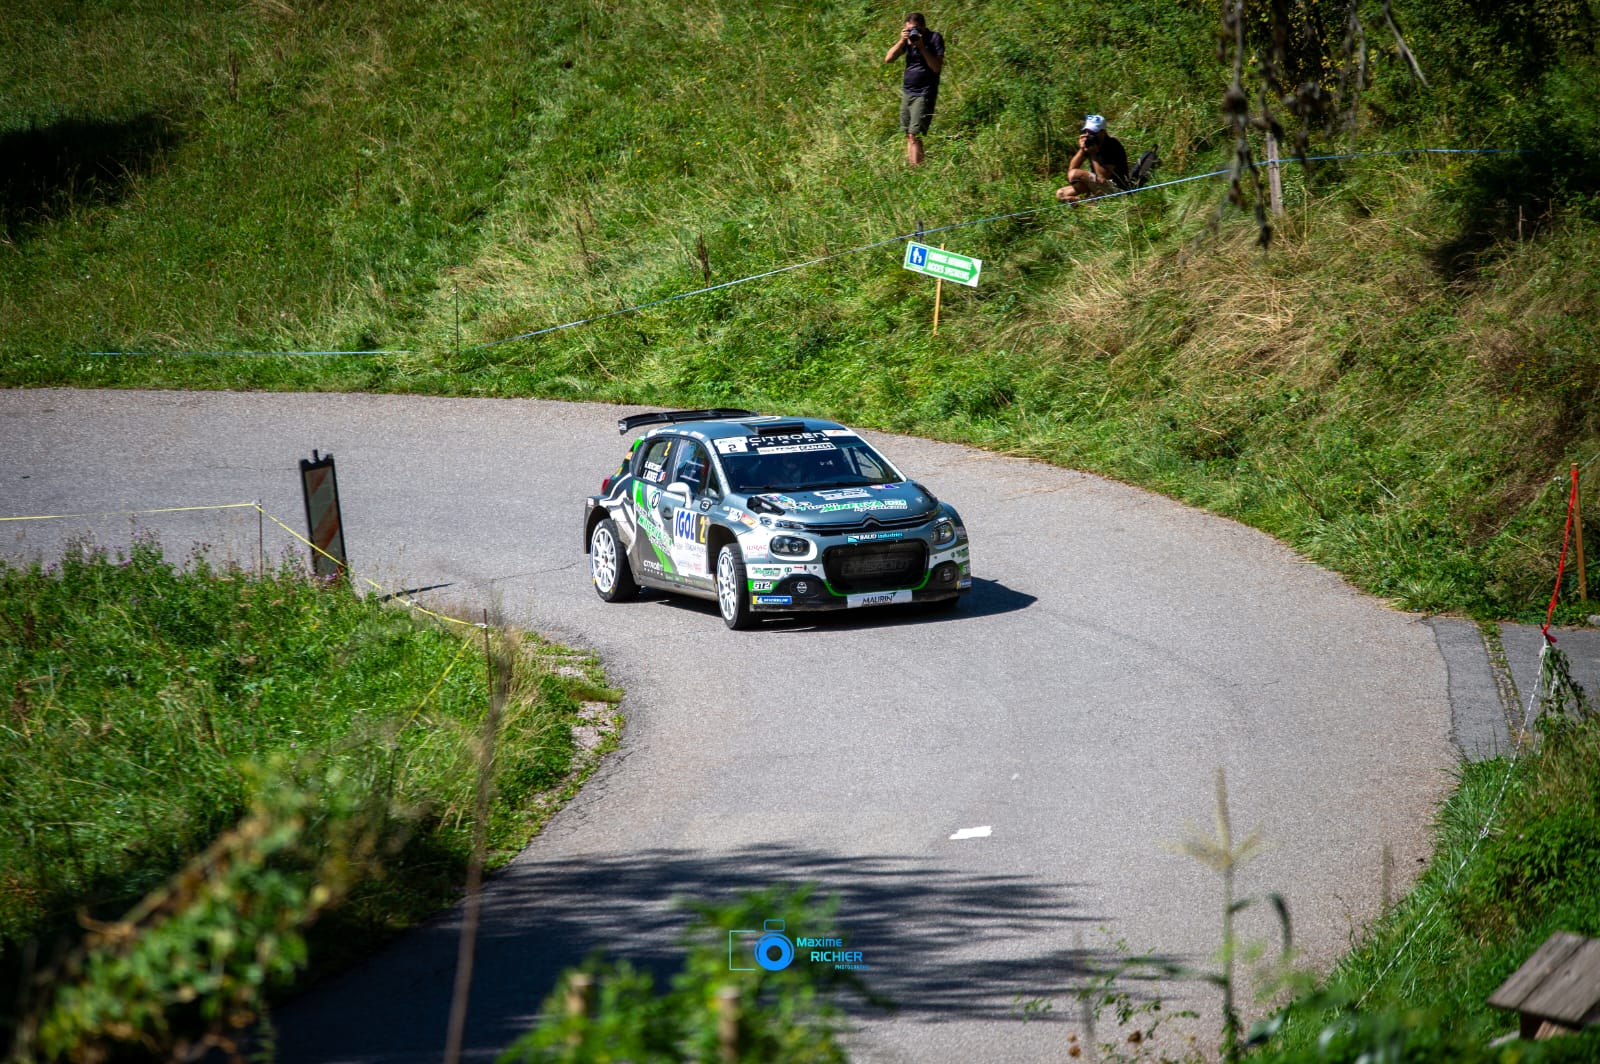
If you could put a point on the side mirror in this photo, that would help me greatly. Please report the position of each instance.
(681, 490)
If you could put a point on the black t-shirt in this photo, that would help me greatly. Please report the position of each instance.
(1113, 157)
(919, 79)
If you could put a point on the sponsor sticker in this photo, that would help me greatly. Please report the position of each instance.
(761, 585)
(848, 493)
(653, 530)
(799, 448)
(873, 537)
(774, 600)
(689, 527)
(863, 504)
(877, 598)
(732, 445)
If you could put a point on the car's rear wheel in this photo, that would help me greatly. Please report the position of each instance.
(733, 593)
(608, 564)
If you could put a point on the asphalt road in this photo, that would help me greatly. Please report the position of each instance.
(1117, 649)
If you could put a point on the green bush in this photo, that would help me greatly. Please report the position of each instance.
(705, 1012)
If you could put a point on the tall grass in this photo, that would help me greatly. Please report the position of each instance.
(1517, 856)
(148, 705)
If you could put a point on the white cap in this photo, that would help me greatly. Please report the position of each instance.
(1095, 123)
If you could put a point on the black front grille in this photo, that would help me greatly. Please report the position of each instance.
(875, 566)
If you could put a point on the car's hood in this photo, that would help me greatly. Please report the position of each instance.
(848, 506)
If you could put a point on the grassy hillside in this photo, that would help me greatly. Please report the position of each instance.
(1391, 387)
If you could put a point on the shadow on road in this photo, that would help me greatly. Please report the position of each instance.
(987, 598)
(943, 945)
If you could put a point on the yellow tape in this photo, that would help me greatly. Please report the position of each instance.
(134, 513)
(257, 507)
(374, 585)
(465, 643)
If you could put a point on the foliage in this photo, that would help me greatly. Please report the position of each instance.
(706, 1012)
(1515, 861)
(1225, 855)
(151, 711)
(1106, 997)
(191, 965)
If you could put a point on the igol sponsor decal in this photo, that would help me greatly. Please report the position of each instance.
(689, 527)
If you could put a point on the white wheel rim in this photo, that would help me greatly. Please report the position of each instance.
(727, 593)
(603, 560)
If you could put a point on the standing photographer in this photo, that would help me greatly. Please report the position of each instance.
(924, 52)
(1099, 166)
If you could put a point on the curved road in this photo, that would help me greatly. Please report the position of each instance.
(1116, 650)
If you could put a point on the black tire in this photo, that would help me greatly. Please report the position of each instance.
(608, 564)
(733, 590)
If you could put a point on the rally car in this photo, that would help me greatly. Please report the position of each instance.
(768, 515)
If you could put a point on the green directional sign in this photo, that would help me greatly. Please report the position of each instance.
(945, 265)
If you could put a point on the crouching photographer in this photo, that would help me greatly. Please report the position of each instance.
(1099, 166)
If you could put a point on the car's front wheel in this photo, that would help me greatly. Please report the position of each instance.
(608, 564)
(733, 595)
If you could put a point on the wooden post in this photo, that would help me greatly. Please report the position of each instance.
(580, 991)
(728, 1024)
(1274, 178)
(1577, 525)
(938, 295)
(499, 677)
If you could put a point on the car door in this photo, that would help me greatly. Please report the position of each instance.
(651, 551)
(685, 504)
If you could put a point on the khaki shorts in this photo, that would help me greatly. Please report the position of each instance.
(916, 112)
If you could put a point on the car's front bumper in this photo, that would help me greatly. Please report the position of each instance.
(780, 586)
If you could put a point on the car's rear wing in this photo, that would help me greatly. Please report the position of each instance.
(627, 424)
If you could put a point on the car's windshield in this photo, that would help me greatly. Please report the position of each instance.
(806, 461)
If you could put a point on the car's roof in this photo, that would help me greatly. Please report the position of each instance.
(751, 425)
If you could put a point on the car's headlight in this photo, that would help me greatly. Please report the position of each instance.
(790, 546)
(944, 532)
